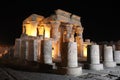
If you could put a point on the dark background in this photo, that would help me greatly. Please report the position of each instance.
(100, 19)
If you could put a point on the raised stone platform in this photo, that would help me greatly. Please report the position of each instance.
(109, 64)
(96, 66)
(75, 71)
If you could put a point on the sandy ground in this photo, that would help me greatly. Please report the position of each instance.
(14, 71)
(106, 74)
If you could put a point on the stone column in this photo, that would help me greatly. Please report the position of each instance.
(79, 40)
(95, 58)
(27, 50)
(55, 35)
(30, 56)
(70, 59)
(17, 51)
(24, 50)
(108, 57)
(72, 55)
(33, 50)
(55, 32)
(37, 46)
(47, 51)
(117, 56)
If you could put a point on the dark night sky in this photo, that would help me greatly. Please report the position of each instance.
(99, 18)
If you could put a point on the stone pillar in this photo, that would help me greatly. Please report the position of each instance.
(27, 50)
(55, 50)
(117, 56)
(70, 59)
(30, 56)
(47, 51)
(108, 57)
(37, 46)
(33, 50)
(79, 40)
(17, 51)
(95, 58)
(55, 28)
(55, 35)
(24, 50)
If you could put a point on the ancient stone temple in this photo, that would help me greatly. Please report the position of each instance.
(41, 35)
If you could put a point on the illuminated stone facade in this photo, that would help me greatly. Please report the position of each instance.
(55, 38)
(60, 27)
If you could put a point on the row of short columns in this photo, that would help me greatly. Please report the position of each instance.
(108, 57)
(34, 50)
(69, 55)
(28, 50)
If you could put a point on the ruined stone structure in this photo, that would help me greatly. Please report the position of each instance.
(43, 40)
(57, 41)
(60, 27)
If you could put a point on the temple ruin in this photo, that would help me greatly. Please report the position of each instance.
(55, 38)
(59, 28)
(55, 44)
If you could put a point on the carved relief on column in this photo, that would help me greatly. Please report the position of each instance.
(79, 31)
(68, 33)
(55, 27)
(79, 40)
(108, 57)
(46, 54)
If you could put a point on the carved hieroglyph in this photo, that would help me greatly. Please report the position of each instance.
(69, 57)
(55, 30)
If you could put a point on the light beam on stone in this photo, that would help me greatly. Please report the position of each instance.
(85, 51)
